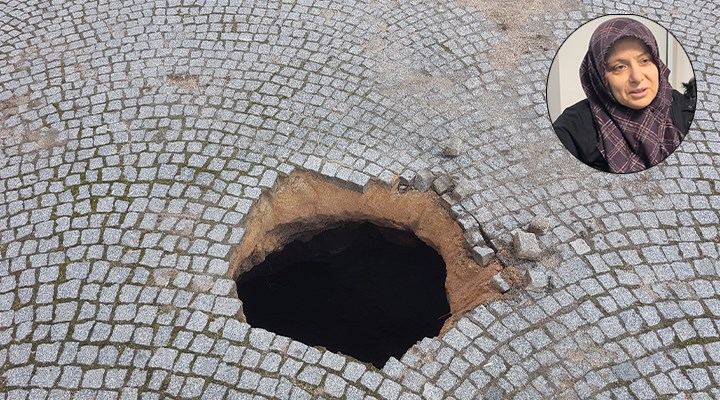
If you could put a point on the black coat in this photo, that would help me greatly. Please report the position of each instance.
(577, 130)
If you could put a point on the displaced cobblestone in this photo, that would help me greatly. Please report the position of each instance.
(526, 245)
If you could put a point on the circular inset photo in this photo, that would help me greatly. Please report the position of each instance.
(621, 93)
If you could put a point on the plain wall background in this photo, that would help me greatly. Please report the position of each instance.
(564, 88)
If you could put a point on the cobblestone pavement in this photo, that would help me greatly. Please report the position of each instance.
(134, 138)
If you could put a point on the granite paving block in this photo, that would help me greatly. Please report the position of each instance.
(526, 245)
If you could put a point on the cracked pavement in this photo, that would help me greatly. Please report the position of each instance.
(135, 136)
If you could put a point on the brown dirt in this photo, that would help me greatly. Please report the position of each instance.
(304, 204)
(44, 139)
(183, 81)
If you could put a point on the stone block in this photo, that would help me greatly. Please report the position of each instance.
(462, 190)
(526, 245)
(581, 247)
(359, 181)
(407, 177)
(474, 237)
(453, 147)
(423, 180)
(537, 280)
(500, 283)
(483, 255)
(443, 184)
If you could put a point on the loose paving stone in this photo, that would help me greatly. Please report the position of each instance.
(423, 180)
(443, 184)
(500, 283)
(463, 189)
(537, 280)
(453, 146)
(526, 245)
(483, 255)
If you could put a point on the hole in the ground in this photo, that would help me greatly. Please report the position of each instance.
(305, 204)
(363, 290)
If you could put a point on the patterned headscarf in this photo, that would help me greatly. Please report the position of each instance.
(630, 140)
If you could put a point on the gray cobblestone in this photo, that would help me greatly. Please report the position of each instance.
(389, 389)
(353, 371)
(251, 358)
(371, 380)
(456, 339)
(312, 375)
(261, 339)
(332, 361)
(45, 377)
(70, 377)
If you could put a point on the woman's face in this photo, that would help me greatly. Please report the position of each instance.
(631, 73)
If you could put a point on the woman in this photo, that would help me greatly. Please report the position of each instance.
(632, 118)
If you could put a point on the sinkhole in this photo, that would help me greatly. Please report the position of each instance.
(363, 290)
(365, 271)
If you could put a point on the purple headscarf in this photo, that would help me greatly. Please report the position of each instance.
(630, 140)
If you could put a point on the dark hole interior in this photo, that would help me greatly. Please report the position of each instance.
(360, 289)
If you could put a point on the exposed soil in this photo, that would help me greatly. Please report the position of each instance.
(184, 81)
(304, 204)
